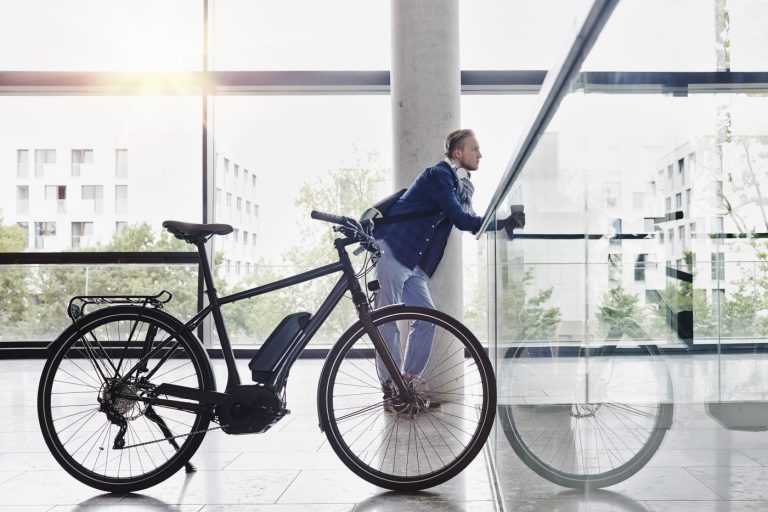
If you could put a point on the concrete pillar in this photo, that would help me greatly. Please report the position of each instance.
(426, 93)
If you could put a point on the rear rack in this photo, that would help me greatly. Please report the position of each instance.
(77, 305)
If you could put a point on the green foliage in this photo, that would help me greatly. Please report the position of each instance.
(619, 314)
(345, 191)
(14, 301)
(521, 318)
(49, 288)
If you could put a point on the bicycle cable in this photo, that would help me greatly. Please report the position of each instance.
(173, 437)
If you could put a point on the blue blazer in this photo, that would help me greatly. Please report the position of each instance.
(422, 241)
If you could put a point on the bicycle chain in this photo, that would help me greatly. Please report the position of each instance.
(174, 437)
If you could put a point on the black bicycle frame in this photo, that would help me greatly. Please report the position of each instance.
(347, 282)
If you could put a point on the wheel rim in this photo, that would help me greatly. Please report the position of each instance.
(416, 442)
(598, 417)
(76, 398)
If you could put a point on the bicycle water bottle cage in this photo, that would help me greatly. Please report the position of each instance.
(266, 360)
(77, 305)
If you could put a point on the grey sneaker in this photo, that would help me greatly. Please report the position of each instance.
(392, 401)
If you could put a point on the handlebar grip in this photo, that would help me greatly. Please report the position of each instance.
(327, 217)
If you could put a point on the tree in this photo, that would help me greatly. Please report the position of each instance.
(619, 313)
(345, 191)
(14, 302)
(520, 318)
(53, 286)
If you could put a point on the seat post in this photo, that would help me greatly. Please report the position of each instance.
(233, 378)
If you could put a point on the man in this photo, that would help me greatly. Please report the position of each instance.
(412, 250)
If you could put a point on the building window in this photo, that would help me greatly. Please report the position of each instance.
(22, 199)
(237, 235)
(661, 236)
(688, 199)
(681, 170)
(121, 199)
(44, 230)
(82, 233)
(81, 157)
(57, 193)
(718, 190)
(679, 200)
(245, 177)
(22, 163)
(253, 181)
(43, 157)
(652, 188)
(669, 172)
(229, 201)
(640, 268)
(254, 239)
(121, 163)
(218, 197)
(94, 193)
(247, 207)
(718, 297)
(245, 238)
(613, 195)
(226, 169)
(237, 267)
(717, 225)
(240, 204)
(120, 226)
(681, 232)
(237, 172)
(693, 229)
(256, 211)
(668, 204)
(25, 227)
(671, 234)
(616, 227)
(718, 266)
(637, 200)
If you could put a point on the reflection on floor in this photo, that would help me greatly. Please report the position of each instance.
(700, 465)
(289, 468)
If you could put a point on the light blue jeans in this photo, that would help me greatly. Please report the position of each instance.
(401, 284)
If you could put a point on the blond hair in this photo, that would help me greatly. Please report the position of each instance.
(455, 140)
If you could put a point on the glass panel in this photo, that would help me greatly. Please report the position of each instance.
(162, 133)
(300, 35)
(142, 35)
(525, 34)
(646, 229)
(330, 153)
(36, 309)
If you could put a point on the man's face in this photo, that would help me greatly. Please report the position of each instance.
(469, 155)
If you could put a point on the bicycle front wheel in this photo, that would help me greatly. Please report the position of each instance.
(90, 405)
(424, 445)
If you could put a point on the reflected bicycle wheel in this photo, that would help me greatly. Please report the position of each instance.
(424, 445)
(586, 417)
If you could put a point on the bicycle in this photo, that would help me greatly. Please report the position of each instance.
(601, 418)
(128, 393)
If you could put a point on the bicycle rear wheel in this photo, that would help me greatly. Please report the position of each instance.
(99, 429)
(422, 446)
(592, 417)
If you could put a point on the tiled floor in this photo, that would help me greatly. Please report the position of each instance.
(700, 467)
(289, 468)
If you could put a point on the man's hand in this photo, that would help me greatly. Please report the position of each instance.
(515, 220)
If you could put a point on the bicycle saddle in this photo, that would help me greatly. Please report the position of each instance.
(192, 233)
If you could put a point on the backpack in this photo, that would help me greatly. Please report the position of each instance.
(378, 211)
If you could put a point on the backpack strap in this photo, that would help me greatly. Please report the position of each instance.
(393, 219)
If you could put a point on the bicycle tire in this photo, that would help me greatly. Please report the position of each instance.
(73, 372)
(534, 457)
(472, 405)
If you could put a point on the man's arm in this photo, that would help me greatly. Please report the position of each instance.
(441, 190)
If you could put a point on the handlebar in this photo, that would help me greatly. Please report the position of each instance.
(329, 217)
(352, 229)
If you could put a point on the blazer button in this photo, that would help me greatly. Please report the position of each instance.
(419, 254)
(427, 239)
